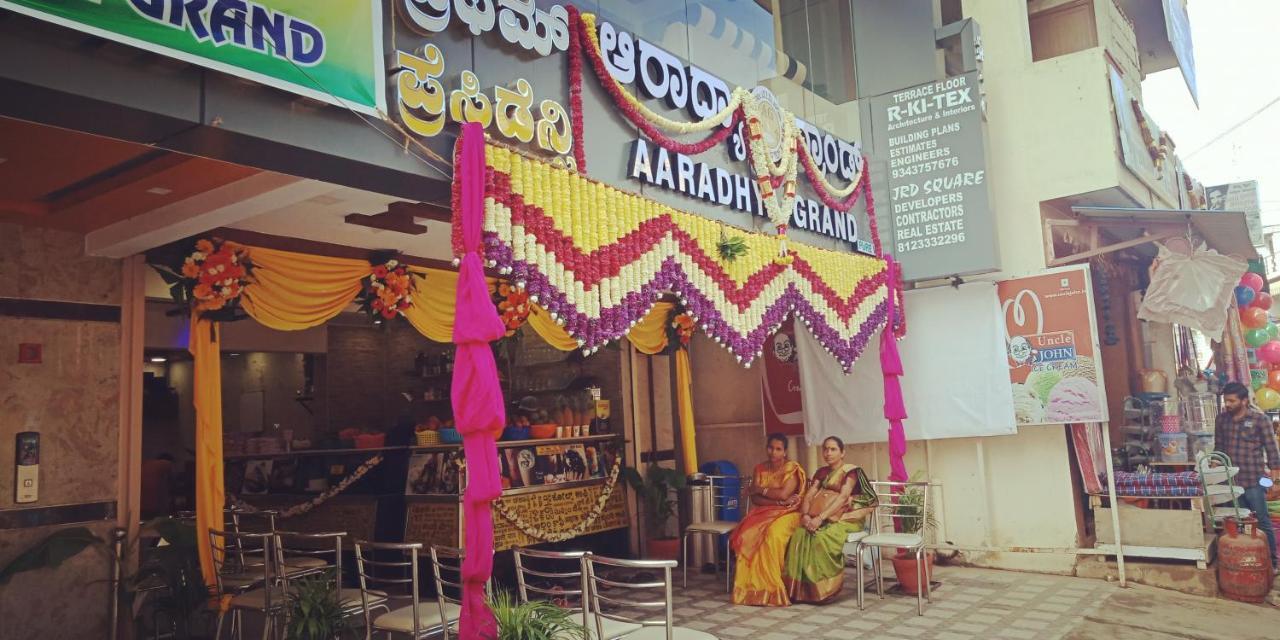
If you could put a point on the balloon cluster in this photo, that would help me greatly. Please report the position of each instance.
(1263, 336)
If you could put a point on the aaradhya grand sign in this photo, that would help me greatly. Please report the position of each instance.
(429, 93)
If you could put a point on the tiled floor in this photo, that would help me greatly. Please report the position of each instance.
(970, 603)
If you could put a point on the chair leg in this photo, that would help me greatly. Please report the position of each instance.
(879, 563)
(728, 564)
(928, 579)
(920, 586)
(684, 560)
(217, 635)
(858, 566)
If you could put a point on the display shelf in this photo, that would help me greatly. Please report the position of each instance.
(308, 452)
(506, 444)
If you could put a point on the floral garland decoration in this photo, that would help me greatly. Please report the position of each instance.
(575, 95)
(560, 536)
(741, 103)
(307, 506)
(597, 258)
(211, 275)
(388, 290)
(680, 331)
(635, 111)
(513, 306)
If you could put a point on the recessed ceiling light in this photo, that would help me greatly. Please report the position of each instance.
(159, 359)
(159, 191)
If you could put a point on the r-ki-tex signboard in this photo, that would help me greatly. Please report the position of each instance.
(930, 141)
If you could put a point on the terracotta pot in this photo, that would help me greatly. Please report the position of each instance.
(904, 567)
(662, 548)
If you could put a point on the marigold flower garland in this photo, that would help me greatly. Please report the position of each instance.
(388, 290)
(307, 506)
(560, 536)
(513, 306)
(215, 274)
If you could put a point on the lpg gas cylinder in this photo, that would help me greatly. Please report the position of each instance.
(1244, 563)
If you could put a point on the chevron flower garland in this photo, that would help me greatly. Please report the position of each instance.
(598, 258)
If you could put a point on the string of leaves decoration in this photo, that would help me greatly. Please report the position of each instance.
(307, 506)
(560, 536)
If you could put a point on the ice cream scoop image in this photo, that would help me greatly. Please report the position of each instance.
(1027, 408)
(1072, 400)
(1040, 382)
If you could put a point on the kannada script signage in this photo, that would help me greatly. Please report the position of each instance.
(557, 511)
(329, 51)
(933, 139)
(1052, 339)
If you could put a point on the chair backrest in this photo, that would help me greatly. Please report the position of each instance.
(898, 502)
(723, 495)
(569, 584)
(290, 546)
(236, 520)
(241, 554)
(626, 597)
(395, 559)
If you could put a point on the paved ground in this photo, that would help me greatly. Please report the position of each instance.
(979, 603)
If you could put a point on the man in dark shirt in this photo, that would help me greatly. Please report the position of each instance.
(1245, 435)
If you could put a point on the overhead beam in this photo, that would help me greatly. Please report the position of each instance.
(1111, 248)
(222, 206)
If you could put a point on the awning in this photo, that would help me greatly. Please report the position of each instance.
(1227, 232)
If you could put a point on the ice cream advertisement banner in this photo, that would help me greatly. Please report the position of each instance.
(780, 387)
(1052, 341)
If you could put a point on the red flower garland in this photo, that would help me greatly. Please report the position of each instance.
(871, 208)
(812, 172)
(455, 205)
(649, 129)
(575, 90)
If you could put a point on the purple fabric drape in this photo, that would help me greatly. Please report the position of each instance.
(479, 409)
(895, 410)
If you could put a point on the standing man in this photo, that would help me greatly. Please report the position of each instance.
(1245, 435)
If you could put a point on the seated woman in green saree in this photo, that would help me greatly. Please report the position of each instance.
(839, 499)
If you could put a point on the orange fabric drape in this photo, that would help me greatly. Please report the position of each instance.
(292, 291)
(542, 324)
(207, 398)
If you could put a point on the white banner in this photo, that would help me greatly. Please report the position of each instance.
(956, 381)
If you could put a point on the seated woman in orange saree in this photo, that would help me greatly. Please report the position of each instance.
(760, 541)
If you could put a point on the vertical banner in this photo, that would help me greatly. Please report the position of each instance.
(780, 387)
(1052, 340)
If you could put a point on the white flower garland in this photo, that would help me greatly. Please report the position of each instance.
(560, 536)
(305, 507)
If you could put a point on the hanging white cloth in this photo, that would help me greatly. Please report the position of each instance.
(957, 374)
(1192, 289)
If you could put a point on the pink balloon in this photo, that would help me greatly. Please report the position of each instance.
(1252, 280)
(1263, 301)
(1270, 352)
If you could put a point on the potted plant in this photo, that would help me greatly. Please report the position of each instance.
(314, 613)
(534, 620)
(914, 520)
(655, 489)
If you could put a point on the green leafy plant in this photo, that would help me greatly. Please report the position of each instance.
(911, 508)
(314, 612)
(534, 620)
(51, 552)
(731, 247)
(169, 585)
(655, 489)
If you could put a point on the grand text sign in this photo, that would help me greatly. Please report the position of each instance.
(329, 51)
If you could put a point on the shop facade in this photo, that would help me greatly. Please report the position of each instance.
(307, 180)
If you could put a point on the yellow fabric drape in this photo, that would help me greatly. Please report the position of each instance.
(434, 294)
(650, 334)
(207, 397)
(555, 335)
(684, 407)
(292, 291)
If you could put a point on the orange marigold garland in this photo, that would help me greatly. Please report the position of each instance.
(513, 306)
(388, 290)
(210, 276)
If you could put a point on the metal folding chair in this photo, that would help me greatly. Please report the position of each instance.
(721, 498)
(610, 599)
(568, 581)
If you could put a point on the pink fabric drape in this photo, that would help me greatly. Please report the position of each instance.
(477, 396)
(895, 410)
